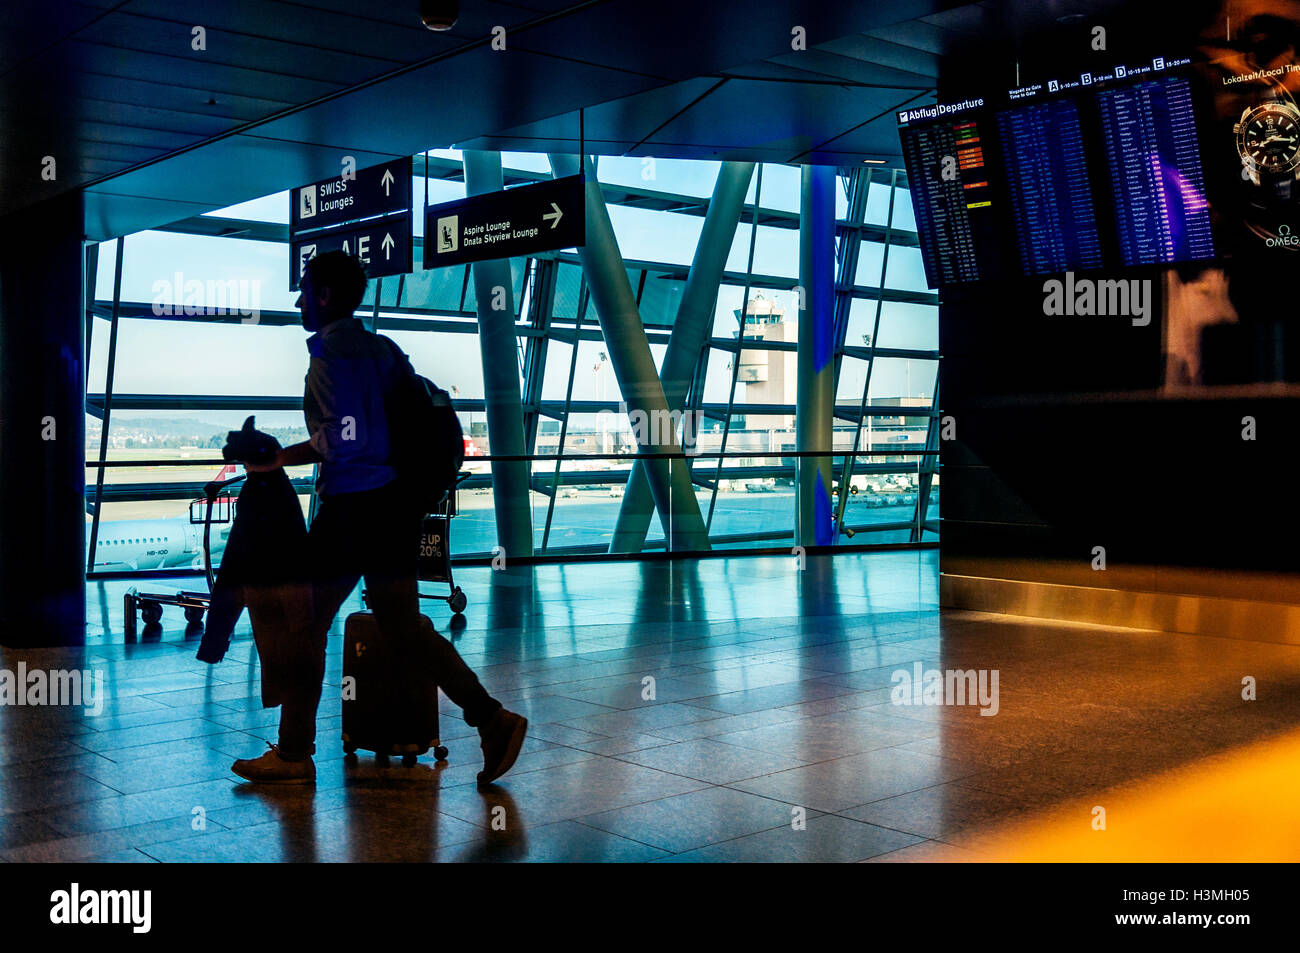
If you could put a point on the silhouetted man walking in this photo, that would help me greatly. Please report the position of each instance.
(366, 526)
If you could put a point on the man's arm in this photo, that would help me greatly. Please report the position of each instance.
(296, 455)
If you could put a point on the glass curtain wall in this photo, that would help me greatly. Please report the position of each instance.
(193, 329)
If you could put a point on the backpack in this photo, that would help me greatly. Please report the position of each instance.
(427, 444)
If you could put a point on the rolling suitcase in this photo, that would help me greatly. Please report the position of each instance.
(376, 716)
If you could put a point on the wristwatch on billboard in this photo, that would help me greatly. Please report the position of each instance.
(1268, 142)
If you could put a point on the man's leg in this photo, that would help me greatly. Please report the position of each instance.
(332, 582)
(302, 666)
(394, 596)
(393, 593)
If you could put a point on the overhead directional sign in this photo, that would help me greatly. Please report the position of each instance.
(367, 214)
(382, 244)
(506, 224)
(377, 190)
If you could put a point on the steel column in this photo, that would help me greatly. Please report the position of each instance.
(634, 368)
(43, 424)
(815, 390)
(691, 332)
(499, 349)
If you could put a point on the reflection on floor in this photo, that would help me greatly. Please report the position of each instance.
(771, 733)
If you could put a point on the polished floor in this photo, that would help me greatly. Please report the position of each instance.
(770, 734)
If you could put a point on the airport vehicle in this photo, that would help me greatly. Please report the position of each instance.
(474, 461)
(195, 604)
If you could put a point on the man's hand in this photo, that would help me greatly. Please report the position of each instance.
(275, 464)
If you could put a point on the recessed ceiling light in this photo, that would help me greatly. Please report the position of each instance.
(439, 15)
(874, 161)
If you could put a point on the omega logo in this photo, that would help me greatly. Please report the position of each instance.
(1284, 237)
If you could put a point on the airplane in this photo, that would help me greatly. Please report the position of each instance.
(173, 543)
(177, 543)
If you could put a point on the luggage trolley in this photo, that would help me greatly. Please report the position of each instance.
(150, 604)
(435, 549)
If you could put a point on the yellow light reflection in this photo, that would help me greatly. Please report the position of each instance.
(1239, 806)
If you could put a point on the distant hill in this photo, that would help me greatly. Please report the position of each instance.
(132, 430)
(167, 426)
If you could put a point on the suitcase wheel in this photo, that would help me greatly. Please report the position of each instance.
(410, 760)
(440, 752)
(458, 600)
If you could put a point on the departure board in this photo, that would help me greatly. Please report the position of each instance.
(1051, 199)
(952, 198)
(1157, 181)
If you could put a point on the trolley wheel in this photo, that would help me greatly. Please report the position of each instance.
(458, 601)
(150, 612)
(440, 752)
(193, 613)
(381, 759)
(410, 760)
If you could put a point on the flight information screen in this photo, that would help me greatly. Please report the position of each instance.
(1051, 198)
(1157, 181)
(951, 194)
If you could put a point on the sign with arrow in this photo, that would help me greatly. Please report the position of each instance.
(382, 244)
(519, 221)
(377, 190)
(368, 215)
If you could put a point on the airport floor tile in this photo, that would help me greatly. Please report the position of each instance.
(727, 710)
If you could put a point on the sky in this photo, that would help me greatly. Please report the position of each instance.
(188, 357)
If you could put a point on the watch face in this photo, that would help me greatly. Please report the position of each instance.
(1268, 138)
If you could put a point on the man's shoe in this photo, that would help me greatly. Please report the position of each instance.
(270, 768)
(503, 736)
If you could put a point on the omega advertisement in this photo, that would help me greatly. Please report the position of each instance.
(1232, 322)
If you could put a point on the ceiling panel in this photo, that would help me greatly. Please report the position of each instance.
(224, 49)
(856, 70)
(885, 52)
(33, 26)
(158, 131)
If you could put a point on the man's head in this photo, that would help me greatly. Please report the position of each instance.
(331, 288)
